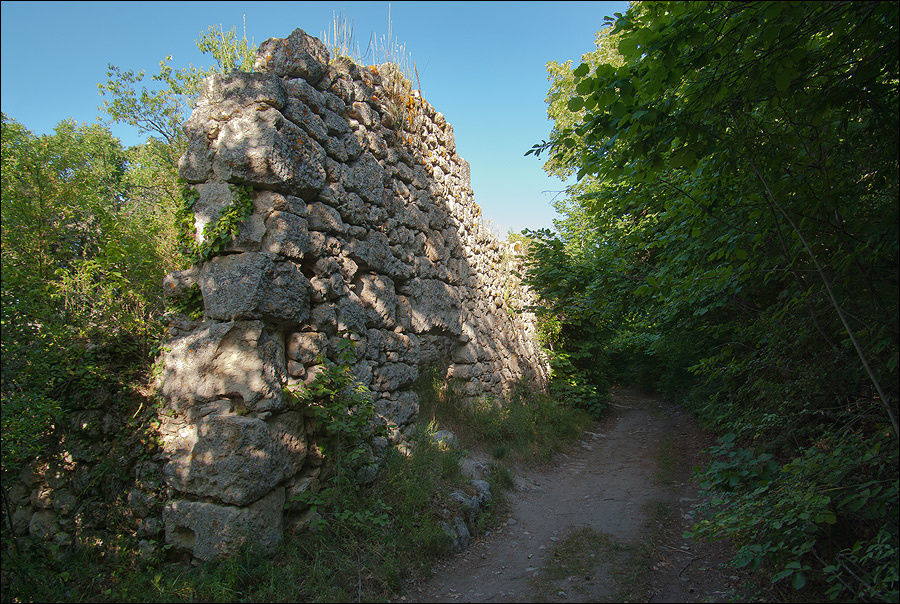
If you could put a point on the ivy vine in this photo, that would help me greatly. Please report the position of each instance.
(215, 233)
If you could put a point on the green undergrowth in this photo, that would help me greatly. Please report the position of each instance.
(526, 426)
(825, 519)
(369, 543)
(356, 541)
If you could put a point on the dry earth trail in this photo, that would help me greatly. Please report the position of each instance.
(603, 523)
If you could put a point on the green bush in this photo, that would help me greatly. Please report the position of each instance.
(830, 513)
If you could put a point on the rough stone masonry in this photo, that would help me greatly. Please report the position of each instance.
(363, 224)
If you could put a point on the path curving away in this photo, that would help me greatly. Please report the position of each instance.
(603, 523)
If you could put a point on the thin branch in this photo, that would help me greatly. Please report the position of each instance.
(862, 357)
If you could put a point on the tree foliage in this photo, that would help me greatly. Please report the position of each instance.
(735, 229)
(89, 229)
(81, 274)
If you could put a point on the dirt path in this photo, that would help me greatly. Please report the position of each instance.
(603, 524)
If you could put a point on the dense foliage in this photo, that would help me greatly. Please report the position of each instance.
(733, 241)
(89, 228)
(81, 265)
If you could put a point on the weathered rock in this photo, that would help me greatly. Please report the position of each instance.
(380, 300)
(236, 460)
(366, 178)
(285, 234)
(374, 253)
(43, 524)
(305, 347)
(434, 306)
(389, 377)
(237, 359)
(150, 528)
(307, 119)
(230, 92)
(265, 202)
(325, 219)
(401, 411)
(458, 532)
(297, 56)
(250, 286)
(264, 149)
(211, 531)
(482, 491)
(195, 165)
(304, 92)
(351, 314)
(21, 520)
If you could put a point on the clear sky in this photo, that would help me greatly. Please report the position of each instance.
(483, 64)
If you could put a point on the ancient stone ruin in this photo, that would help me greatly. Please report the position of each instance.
(363, 226)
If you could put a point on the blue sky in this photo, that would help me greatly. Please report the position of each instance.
(483, 64)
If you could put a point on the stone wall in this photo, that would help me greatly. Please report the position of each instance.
(363, 224)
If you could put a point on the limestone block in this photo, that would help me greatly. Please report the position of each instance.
(303, 116)
(249, 235)
(252, 286)
(43, 525)
(362, 372)
(213, 198)
(305, 347)
(196, 164)
(389, 377)
(352, 146)
(335, 149)
(380, 300)
(361, 112)
(404, 313)
(348, 268)
(211, 531)
(285, 234)
(351, 314)
(326, 266)
(405, 347)
(467, 353)
(434, 305)
(323, 318)
(231, 91)
(434, 350)
(336, 124)
(237, 359)
(301, 90)
(334, 170)
(374, 253)
(266, 202)
(401, 411)
(21, 520)
(376, 144)
(343, 88)
(17, 493)
(236, 460)
(326, 219)
(460, 372)
(289, 429)
(297, 56)
(264, 149)
(366, 178)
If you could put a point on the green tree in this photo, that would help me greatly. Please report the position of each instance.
(88, 231)
(80, 274)
(738, 209)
